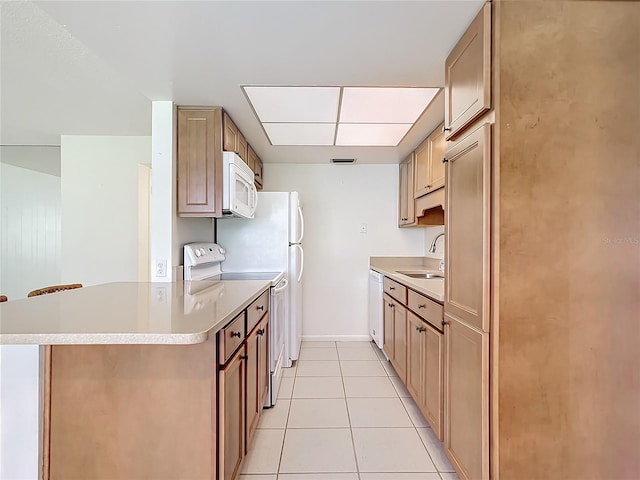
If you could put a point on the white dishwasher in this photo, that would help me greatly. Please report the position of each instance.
(376, 327)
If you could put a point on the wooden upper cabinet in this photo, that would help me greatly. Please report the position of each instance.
(406, 214)
(429, 169)
(468, 75)
(421, 159)
(437, 149)
(234, 140)
(467, 228)
(255, 164)
(199, 139)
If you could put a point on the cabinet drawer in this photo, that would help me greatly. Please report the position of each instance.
(431, 311)
(230, 337)
(257, 310)
(396, 290)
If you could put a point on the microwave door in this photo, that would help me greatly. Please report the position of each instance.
(245, 197)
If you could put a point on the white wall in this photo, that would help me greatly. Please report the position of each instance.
(100, 207)
(429, 234)
(336, 201)
(29, 259)
(169, 232)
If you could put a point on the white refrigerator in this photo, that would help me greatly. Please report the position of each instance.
(271, 241)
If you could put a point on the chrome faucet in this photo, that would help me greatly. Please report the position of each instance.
(432, 248)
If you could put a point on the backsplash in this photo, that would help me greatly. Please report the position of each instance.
(429, 234)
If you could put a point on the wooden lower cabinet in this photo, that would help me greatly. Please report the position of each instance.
(387, 345)
(231, 415)
(399, 361)
(425, 370)
(257, 368)
(395, 335)
(466, 434)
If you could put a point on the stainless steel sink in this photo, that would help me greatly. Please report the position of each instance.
(423, 274)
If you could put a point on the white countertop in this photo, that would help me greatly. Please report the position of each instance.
(127, 313)
(390, 266)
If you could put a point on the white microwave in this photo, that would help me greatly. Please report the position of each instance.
(239, 197)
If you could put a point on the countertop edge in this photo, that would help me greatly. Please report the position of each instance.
(407, 281)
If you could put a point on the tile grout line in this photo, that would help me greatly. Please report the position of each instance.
(346, 403)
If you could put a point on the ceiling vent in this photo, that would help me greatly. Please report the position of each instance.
(343, 161)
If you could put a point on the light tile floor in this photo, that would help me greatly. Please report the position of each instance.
(342, 414)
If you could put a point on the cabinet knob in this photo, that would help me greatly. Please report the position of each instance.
(422, 306)
(428, 186)
(256, 175)
(235, 334)
(244, 357)
(446, 129)
(444, 322)
(422, 329)
(445, 160)
(392, 288)
(390, 305)
(261, 331)
(260, 307)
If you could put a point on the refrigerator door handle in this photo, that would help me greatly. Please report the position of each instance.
(301, 261)
(301, 224)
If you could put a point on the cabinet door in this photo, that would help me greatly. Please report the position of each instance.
(466, 433)
(437, 146)
(241, 147)
(254, 407)
(433, 379)
(264, 369)
(415, 358)
(421, 160)
(400, 340)
(467, 228)
(407, 215)
(388, 343)
(259, 173)
(230, 137)
(199, 162)
(231, 412)
(467, 90)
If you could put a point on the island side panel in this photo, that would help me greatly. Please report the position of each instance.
(139, 412)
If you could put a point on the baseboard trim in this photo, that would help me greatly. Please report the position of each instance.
(336, 338)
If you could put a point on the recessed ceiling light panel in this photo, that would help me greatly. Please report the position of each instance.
(371, 135)
(384, 105)
(300, 133)
(295, 104)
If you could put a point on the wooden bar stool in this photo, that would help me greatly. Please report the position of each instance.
(53, 289)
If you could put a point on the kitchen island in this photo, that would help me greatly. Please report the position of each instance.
(131, 376)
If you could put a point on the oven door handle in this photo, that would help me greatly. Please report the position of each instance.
(282, 286)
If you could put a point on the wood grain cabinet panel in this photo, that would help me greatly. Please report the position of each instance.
(253, 390)
(199, 164)
(399, 361)
(467, 399)
(406, 204)
(429, 168)
(231, 134)
(387, 346)
(132, 412)
(468, 75)
(468, 228)
(256, 166)
(425, 370)
(231, 415)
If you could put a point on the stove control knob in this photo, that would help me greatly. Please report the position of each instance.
(197, 252)
(202, 251)
(222, 250)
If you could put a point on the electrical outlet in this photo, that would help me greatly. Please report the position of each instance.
(363, 228)
(161, 267)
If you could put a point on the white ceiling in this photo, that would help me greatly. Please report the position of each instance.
(93, 68)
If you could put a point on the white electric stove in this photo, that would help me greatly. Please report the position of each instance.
(203, 261)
